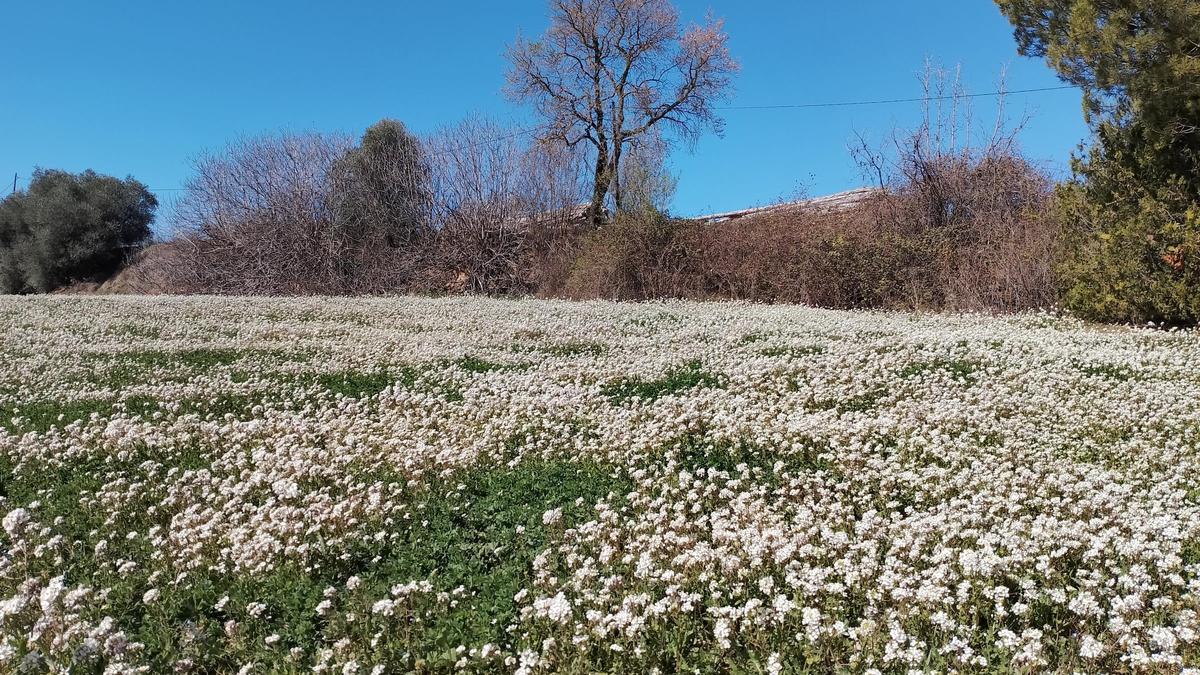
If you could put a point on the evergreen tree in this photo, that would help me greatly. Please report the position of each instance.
(1133, 210)
(71, 227)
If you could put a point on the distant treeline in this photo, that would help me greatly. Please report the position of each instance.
(578, 209)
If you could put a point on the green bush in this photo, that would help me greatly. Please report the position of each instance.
(637, 256)
(1130, 252)
(1134, 259)
(71, 227)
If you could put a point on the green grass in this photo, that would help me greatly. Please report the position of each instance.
(471, 539)
(957, 369)
(478, 529)
(690, 375)
(695, 453)
(654, 320)
(363, 384)
(752, 338)
(476, 365)
(40, 416)
(136, 330)
(357, 384)
(863, 402)
(466, 535)
(793, 352)
(1108, 371)
(118, 371)
(577, 348)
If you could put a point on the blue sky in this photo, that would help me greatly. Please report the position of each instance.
(139, 87)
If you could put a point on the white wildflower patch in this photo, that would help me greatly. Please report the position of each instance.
(394, 485)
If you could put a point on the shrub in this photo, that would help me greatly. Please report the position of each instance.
(954, 225)
(638, 256)
(299, 214)
(382, 199)
(71, 227)
(1134, 260)
(259, 218)
(896, 249)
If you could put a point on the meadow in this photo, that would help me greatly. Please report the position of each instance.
(434, 485)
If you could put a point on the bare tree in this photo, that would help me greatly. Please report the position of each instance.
(608, 71)
(494, 200)
(258, 218)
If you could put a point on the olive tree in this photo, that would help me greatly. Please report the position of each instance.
(71, 227)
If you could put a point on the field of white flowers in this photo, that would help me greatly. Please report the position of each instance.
(397, 485)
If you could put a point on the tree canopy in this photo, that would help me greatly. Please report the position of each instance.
(607, 72)
(1134, 245)
(71, 227)
(383, 186)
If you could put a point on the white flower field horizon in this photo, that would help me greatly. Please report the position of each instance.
(400, 485)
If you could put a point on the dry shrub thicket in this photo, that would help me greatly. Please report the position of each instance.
(961, 210)
(956, 222)
(259, 219)
(470, 209)
(505, 213)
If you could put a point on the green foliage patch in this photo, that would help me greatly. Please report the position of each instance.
(681, 378)
(792, 352)
(957, 369)
(576, 348)
(737, 456)
(863, 402)
(1116, 373)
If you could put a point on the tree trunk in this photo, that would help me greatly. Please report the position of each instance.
(616, 173)
(599, 187)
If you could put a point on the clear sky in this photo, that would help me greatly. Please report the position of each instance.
(139, 87)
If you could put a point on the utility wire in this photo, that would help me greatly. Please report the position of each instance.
(787, 106)
(919, 99)
(516, 134)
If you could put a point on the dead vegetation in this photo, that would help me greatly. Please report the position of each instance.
(956, 221)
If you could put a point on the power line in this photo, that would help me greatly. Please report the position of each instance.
(785, 106)
(490, 141)
(919, 99)
(440, 153)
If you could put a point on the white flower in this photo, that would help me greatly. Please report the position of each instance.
(15, 521)
(774, 665)
(557, 608)
(722, 631)
(256, 609)
(1091, 648)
